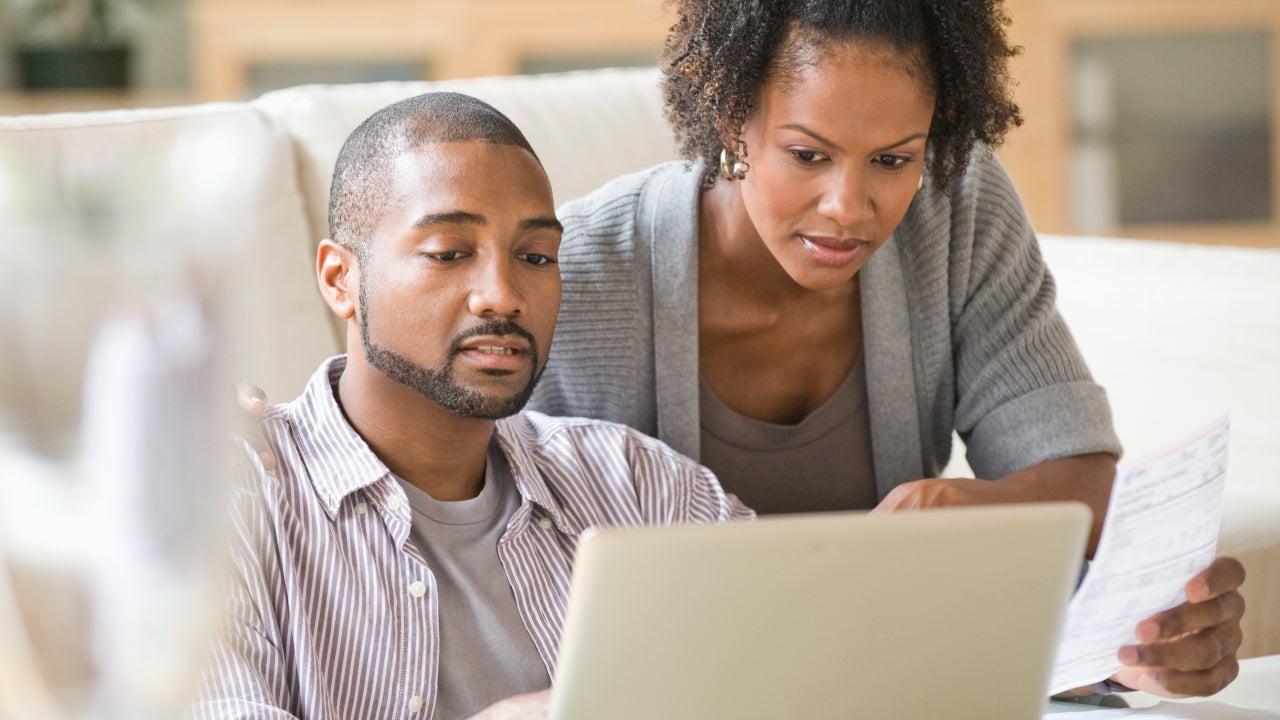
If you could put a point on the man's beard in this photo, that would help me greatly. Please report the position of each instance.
(438, 385)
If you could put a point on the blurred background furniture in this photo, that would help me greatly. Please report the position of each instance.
(1150, 118)
(1155, 119)
(1145, 118)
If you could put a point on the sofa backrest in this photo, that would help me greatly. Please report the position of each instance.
(587, 127)
(258, 173)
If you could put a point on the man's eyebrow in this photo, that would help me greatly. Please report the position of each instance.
(541, 223)
(824, 141)
(450, 218)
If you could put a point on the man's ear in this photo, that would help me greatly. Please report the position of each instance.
(338, 275)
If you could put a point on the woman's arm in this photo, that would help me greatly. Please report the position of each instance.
(1086, 478)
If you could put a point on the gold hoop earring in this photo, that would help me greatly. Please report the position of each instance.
(920, 183)
(733, 165)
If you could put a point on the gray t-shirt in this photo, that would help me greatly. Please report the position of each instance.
(486, 653)
(821, 463)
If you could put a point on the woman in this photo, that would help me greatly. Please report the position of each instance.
(828, 117)
(842, 277)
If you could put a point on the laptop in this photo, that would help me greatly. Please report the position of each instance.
(935, 614)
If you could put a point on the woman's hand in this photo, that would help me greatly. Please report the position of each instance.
(253, 401)
(943, 492)
(1190, 649)
(1084, 478)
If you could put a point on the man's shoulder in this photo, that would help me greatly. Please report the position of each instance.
(271, 436)
(606, 472)
(594, 473)
(310, 449)
(554, 438)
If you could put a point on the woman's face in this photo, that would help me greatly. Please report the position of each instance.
(836, 152)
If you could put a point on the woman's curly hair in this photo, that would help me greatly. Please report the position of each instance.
(720, 53)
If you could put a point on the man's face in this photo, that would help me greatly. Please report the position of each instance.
(459, 287)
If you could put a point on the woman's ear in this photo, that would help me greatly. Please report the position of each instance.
(338, 275)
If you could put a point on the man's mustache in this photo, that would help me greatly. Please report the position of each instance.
(493, 327)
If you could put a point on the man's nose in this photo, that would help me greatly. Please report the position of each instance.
(495, 291)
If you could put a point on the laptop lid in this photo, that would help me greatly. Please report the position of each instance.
(940, 613)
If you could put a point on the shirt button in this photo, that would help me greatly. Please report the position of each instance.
(544, 523)
(393, 502)
(417, 588)
(361, 508)
(415, 703)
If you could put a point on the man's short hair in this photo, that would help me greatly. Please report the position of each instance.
(362, 176)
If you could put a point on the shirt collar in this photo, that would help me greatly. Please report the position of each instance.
(317, 415)
(325, 434)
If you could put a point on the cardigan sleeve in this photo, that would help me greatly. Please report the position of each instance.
(1023, 393)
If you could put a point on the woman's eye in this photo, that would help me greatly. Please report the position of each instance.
(537, 259)
(893, 161)
(807, 157)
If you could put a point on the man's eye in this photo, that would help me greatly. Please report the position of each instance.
(445, 256)
(537, 259)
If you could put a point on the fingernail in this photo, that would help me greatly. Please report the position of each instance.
(1148, 631)
(1128, 654)
(1198, 589)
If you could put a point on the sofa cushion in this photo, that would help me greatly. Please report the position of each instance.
(1177, 334)
(101, 208)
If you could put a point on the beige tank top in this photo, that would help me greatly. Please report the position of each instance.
(821, 463)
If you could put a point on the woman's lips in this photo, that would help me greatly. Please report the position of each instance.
(833, 251)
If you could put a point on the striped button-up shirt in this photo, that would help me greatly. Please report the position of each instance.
(332, 611)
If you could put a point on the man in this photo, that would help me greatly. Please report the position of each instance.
(409, 554)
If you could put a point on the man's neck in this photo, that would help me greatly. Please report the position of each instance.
(438, 451)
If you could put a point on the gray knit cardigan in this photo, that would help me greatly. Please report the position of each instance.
(960, 328)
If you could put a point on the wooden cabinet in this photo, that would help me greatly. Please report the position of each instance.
(1079, 165)
(455, 38)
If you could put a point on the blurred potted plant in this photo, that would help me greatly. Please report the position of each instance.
(73, 43)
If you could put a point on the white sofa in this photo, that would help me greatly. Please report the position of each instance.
(1177, 333)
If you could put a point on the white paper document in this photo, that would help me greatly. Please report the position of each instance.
(1161, 529)
(1170, 711)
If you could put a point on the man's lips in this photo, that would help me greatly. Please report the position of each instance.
(504, 352)
(834, 251)
(495, 344)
